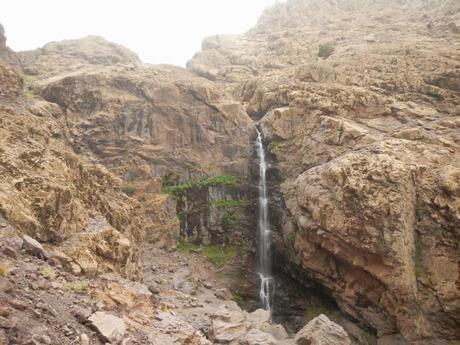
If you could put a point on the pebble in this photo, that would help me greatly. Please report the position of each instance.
(18, 304)
(84, 340)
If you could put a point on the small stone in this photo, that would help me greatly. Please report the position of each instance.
(18, 304)
(154, 289)
(44, 339)
(223, 293)
(10, 252)
(207, 284)
(84, 340)
(82, 314)
(75, 269)
(4, 311)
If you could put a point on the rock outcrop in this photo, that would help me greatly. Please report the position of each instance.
(359, 105)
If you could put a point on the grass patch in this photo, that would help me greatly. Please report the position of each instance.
(47, 272)
(216, 254)
(325, 50)
(209, 181)
(5, 269)
(79, 286)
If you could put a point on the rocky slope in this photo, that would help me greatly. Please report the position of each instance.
(359, 104)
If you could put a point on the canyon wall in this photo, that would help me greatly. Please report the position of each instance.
(91, 137)
(359, 105)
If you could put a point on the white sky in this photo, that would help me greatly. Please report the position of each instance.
(159, 31)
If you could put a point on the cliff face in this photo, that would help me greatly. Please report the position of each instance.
(90, 136)
(360, 108)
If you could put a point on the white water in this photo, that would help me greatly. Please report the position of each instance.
(267, 286)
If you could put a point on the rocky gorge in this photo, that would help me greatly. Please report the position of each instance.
(129, 191)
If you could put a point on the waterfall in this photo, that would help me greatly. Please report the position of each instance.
(267, 286)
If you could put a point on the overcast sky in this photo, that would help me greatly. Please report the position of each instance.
(159, 31)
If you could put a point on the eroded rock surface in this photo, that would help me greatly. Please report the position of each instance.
(360, 110)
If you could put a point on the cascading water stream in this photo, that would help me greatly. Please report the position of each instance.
(267, 286)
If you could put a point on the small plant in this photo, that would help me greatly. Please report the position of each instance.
(129, 190)
(209, 181)
(218, 255)
(274, 145)
(325, 50)
(47, 272)
(228, 203)
(79, 286)
(5, 269)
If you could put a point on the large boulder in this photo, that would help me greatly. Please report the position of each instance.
(322, 331)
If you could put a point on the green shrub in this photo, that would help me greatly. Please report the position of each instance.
(325, 50)
(5, 269)
(216, 254)
(274, 145)
(47, 272)
(209, 181)
(227, 203)
(79, 286)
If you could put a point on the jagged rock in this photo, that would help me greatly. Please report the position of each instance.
(223, 293)
(81, 314)
(33, 247)
(257, 337)
(322, 331)
(259, 317)
(358, 164)
(109, 327)
(278, 331)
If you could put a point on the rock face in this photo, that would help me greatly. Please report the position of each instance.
(88, 144)
(364, 140)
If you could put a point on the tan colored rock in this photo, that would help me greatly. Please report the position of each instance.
(364, 170)
(109, 327)
(322, 331)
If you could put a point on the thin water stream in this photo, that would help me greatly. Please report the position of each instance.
(267, 284)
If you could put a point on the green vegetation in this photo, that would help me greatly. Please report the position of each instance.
(228, 203)
(420, 273)
(170, 179)
(129, 189)
(47, 272)
(274, 145)
(5, 269)
(209, 181)
(325, 50)
(79, 286)
(216, 254)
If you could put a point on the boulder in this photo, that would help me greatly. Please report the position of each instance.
(109, 327)
(33, 247)
(322, 331)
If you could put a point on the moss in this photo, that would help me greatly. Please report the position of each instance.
(128, 189)
(209, 181)
(5, 269)
(79, 286)
(325, 50)
(228, 203)
(47, 272)
(216, 254)
(420, 272)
